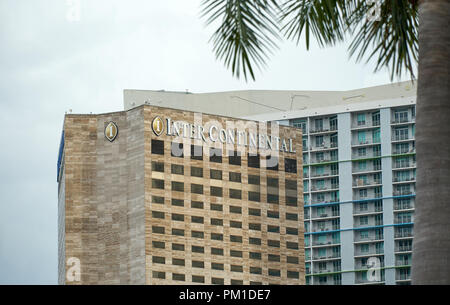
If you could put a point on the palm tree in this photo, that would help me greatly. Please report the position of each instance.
(387, 30)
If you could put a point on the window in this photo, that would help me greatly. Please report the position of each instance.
(216, 174)
(333, 123)
(254, 212)
(319, 141)
(177, 186)
(158, 274)
(235, 253)
(178, 202)
(216, 191)
(216, 251)
(197, 234)
(197, 188)
(291, 231)
(290, 165)
(178, 277)
(253, 161)
(376, 136)
(216, 236)
(178, 262)
(157, 166)
(273, 258)
(196, 204)
(254, 241)
(198, 279)
(177, 150)
(196, 152)
(236, 224)
(292, 260)
(196, 171)
(178, 232)
(159, 244)
(273, 214)
(255, 270)
(158, 199)
(364, 220)
(216, 222)
(158, 260)
(361, 152)
(217, 281)
(255, 255)
(292, 245)
(216, 207)
(236, 239)
(235, 209)
(198, 264)
(362, 137)
(235, 268)
(156, 214)
(291, 216)
(157, 147)
(361, 119)
(376, 118)
(157, 229)
(252, 179)
(215, 155)
(273, 243)
(178, 247)
(274, 272)
(234, 158)
(197, 249)
(254, 196)
(273, 229)
(235, 177)
(158, 184)
(197, 219)
(254, 226)
(177, 169)
(318, 125)
(235, 194)
(217, 266)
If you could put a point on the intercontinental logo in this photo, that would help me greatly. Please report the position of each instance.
(216, 133)
(111, 131)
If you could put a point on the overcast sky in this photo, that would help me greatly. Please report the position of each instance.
(49, 64)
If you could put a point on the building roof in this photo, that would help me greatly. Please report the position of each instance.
(273, 104)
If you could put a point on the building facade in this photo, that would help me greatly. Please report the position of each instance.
(155, 195)
(358, 168)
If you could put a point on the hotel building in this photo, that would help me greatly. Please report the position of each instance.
(154, 195)
(359, 170)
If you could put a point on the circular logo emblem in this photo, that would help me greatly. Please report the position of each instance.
(111, 131)
(157, 126)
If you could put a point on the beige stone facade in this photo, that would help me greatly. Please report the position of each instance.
(143, 209)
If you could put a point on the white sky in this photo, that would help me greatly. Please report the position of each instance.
(49, 65)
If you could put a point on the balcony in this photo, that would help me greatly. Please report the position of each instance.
(402, 165)
(403, 249)
(402, 138)
(403, 151)
(365, 183)
(403, 235)
(404, 179)
(402, 193)
(365, 143)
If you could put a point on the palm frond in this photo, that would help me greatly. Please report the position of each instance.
(393, 38)
(247, 33)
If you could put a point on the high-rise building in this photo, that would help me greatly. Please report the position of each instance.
(359, 170)
(154, 195)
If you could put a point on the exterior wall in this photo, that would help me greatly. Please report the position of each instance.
(177, 266)
(110, 206)
(104, 204)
